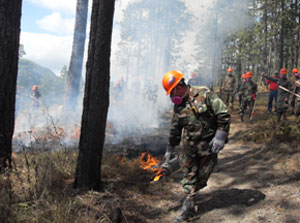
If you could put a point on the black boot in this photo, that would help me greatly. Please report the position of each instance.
(188, 211)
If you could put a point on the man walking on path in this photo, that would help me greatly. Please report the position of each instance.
(201, 121)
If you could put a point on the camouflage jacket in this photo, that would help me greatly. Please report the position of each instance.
(199, 116)
(247, 89)
(228, 83)
(283, 95)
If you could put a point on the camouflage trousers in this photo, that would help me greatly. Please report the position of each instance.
(196, 168)
(228, 98)
(245, 102)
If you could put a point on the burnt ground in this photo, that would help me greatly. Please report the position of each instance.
(253, 182)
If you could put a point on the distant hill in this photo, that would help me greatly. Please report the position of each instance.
(50, 86)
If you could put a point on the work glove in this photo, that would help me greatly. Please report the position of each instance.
(169, 153)
(254, 96)
(218, 142)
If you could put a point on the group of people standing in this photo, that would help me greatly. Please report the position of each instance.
(280, 88)
(245, 90)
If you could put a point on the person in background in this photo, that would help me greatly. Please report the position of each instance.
(241, 83)
(228, 88)
(248, 94)
(196, 80)
(283, 96)
(293, 82)
(35, 97)
(273, 89)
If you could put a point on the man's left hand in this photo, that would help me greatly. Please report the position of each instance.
(218, 142)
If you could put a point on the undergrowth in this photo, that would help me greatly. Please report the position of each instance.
(39, 188)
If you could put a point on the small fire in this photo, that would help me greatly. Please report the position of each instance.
(148, 162)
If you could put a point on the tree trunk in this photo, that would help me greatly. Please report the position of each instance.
(10, 18)
(281, 59)
(265, 52)
(75, 68)
(96, 98)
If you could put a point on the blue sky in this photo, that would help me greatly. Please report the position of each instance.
(31, 13)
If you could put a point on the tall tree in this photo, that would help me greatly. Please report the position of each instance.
(75, 68)
(10, 18)
(96, 98)
(154, 31)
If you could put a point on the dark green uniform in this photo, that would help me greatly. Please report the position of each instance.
(196, 121)
(246, 93)
(228, 90)
(282, 98)
(297, 100)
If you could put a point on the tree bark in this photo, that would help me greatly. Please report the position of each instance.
(75, 68)
(281, 59)
(10, 18)
(96, 98)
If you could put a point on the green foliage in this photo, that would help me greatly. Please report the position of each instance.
(272, 42)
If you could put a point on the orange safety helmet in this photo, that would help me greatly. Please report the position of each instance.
(229, 69)
(249, 74)
(244, 76)
(34, 87)
(283, 71)
(170, 80)
(295, 70)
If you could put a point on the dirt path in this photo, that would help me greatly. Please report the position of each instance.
(250, 184)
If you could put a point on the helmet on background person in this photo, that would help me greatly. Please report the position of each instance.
(249, 74)
(194, 75)
(34, 87)
(295, 70)
(283, 71)
(170, 80)
(244, 76)
(229, 70)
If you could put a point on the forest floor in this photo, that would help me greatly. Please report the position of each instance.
(257, 179)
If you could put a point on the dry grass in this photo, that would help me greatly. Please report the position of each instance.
(39, 189)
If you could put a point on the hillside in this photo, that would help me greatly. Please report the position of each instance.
(31, 73)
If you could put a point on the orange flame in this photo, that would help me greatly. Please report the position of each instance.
(148, 162)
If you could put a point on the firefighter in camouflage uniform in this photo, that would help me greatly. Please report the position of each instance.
(228, 88)
(293, 81)
(248, 95)
(201, 121)
(297, 99)
(283, 96)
